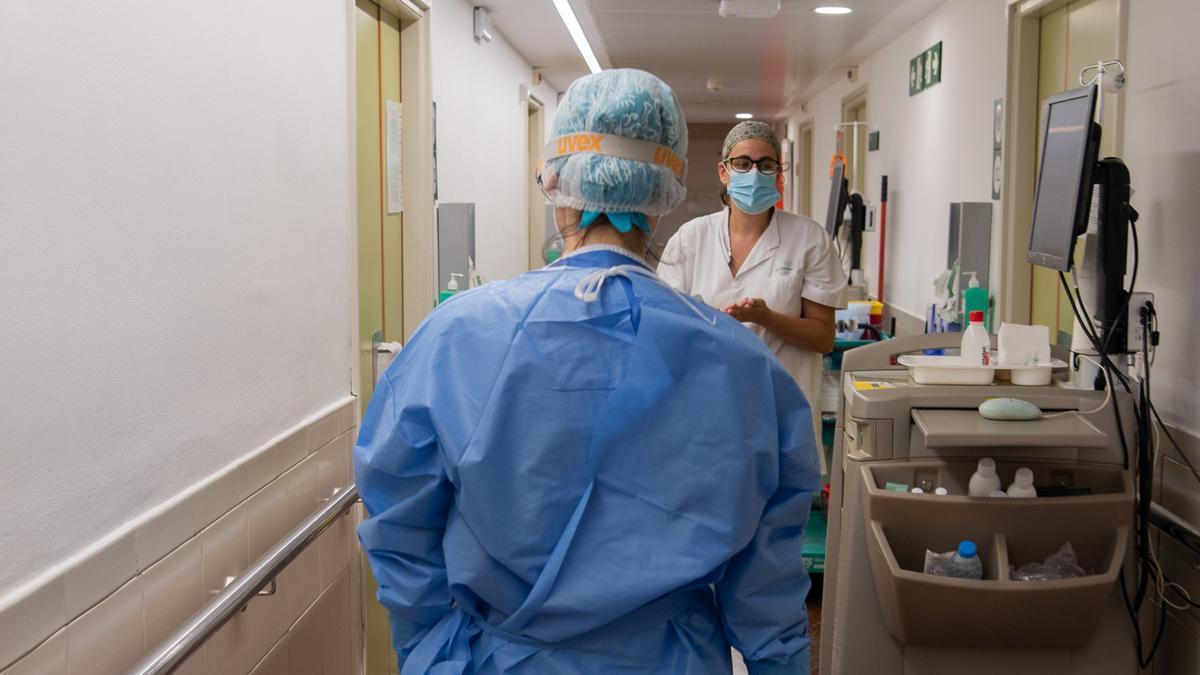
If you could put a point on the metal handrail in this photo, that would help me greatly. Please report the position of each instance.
(1175, 527)
(172, 652)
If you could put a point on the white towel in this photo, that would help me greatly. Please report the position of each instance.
(1021, 345)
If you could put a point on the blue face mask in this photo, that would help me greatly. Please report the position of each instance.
(753, 192)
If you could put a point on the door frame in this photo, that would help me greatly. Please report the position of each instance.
(854, 99)
(1019, 152)
(535, 213)
(804, 169)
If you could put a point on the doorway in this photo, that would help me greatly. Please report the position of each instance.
(535, 135)
(1049, 42)
(854, 109)
(394, 218)
(380, 214)
(1072, 36)
(804, 172)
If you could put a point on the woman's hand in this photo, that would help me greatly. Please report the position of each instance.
(749, 310)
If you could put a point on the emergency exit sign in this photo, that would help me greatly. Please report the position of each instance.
(925, 70)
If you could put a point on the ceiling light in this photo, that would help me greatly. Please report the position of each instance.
(833, 9)
(744, 116)
(576, 31)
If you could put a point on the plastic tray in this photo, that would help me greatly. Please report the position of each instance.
(946, 370)
(927, 369)
(1029, 376)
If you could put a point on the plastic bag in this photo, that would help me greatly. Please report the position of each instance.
(945, 289)
(951, 565)
(1059, 565)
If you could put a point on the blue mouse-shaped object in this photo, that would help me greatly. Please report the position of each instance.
(1009, 409)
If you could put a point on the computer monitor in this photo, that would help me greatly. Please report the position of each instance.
(839, 192)
(1070, 142)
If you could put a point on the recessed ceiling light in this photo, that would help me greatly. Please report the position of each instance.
(744, 116)
(833, 9)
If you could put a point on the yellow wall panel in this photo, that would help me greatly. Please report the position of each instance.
(1052, 69)
(393, 251)
(370, 268)
(1076, 35)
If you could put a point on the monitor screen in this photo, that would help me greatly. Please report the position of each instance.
(837, 200)
(1060, 210)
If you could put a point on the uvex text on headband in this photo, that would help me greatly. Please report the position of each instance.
(606, 173)
(617, 146)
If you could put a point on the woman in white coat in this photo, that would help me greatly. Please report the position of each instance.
(775, 271)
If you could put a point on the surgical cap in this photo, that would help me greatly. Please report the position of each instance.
(603, 122)
(751, 130)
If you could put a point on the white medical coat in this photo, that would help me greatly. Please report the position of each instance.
(794, 259)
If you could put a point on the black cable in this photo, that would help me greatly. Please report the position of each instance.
(1085, 323)
(1132, 285)
(1175, 443)
(1137, 626)
(1144, 474)
(1140, 526)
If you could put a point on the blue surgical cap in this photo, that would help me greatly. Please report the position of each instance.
(627, 103)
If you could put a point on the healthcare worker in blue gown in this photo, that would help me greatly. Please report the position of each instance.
(581, 470)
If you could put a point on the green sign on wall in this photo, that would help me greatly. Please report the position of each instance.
(925, 70)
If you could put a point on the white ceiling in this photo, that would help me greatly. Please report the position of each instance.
(763, 66)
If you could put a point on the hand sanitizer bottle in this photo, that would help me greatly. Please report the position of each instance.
(451, 288)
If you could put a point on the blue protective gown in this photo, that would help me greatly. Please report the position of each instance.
(560, 486)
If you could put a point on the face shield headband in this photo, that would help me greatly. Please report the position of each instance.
(618, 146)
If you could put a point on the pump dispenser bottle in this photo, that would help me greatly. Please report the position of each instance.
(975, 297)
(451, 288)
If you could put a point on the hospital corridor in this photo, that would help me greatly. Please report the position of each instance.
(599, 337)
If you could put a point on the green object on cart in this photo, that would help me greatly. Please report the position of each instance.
(828, 429)
(840, 347)
(814, 542)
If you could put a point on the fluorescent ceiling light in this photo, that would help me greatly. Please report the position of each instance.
(833, 9)
(576, 31)
(744, 116)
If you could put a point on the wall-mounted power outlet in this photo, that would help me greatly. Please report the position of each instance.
(1137, 302)
(870, 224)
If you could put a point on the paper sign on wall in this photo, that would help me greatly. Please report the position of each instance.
(395, 184)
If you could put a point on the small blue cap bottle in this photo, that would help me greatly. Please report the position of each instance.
(967, 549)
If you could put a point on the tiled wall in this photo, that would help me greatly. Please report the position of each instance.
(102, 612)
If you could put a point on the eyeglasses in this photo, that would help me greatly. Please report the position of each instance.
(537, 177)
(767, 165)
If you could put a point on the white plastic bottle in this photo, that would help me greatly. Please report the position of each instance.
(984, 481)
(1022, 486)
(976, 345)
(999, 493)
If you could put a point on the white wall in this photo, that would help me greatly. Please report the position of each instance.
(174, 251)
(935, 147)
(481, 135)
(1163, 154)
